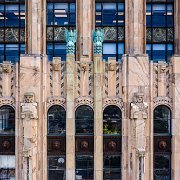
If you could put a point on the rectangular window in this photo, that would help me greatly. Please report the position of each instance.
(111, 18)
(60, 17)
(159, 30)
(12, 30)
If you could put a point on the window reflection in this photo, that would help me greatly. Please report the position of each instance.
(84, 120)
(7, 120)
(84, 167)
(160, 31)
(56, 167)
(60, 16)
(56, 121)
(111, 17)
(112, 120)
(12, 30)
(162, 120)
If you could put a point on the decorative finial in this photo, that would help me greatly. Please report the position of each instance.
(71, 37)
(98, 38)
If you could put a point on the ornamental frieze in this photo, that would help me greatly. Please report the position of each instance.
(7, 101)
(84, 101)
(113, 101)
(163, 100)
(56, 101)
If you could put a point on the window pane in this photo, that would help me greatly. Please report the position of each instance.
(12, 52)
(159, 52)
(1, 53)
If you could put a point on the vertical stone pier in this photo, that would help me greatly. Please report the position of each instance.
(98, 117)
(70, 117)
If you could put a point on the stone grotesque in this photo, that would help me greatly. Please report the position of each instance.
(98, 38)
(71, 37)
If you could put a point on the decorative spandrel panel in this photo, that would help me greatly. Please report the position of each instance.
(57, 78)
(162, 79)
(84, 79)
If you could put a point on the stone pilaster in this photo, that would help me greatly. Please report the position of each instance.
(175, 120)
(31, 144)
(70, 117)
(98, 117)
(138, 143)
(135, 25)
(35, 27)
(177, 27)
(85, 20)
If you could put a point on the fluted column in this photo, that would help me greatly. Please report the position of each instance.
(135, 27)
(35, 27)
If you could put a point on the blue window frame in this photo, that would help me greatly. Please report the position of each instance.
(60, 16)
(12, 30)
(160, 30)
(111, 17)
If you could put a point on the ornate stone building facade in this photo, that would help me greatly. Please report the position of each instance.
(89, 89)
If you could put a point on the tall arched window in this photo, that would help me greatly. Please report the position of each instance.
(7, 142)
(112, 130)
(162, 143)
(84, 118)
(56, 142)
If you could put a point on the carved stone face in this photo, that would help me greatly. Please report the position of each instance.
(112, 145)
(6, 68)
(56, 145)
(84, 145)
(162, 145)
(139, 97)
(6, 144)
(29, 98)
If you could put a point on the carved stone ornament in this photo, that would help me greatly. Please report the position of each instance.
(98, 38)
(56, 101)
(6, 67)
(163, 100)
(7, 101)
(113, 101)
(84, 67)
(163, 67)
(71, 37)
(140, 153)
(112, 67)
(138, 106)
(84, 101)
(27, 153)
(29, 107)
(56, 64)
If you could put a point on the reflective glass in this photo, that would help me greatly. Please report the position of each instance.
(84, 120)
(12, 52)
(7, 120)
(159, 52)
(56, 120)
(162, 120)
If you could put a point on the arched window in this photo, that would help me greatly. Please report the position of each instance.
(112, 120)
(112, 130)
(56, 120)
(84, 120)
(7, 120)
(56, 142)
(162, 120)
(162, 143)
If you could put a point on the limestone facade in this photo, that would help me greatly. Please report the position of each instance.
(135, 85)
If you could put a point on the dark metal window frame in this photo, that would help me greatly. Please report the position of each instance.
(151, 43)
(19, 27)
(69, 26)
(164, 137)
(116, 26)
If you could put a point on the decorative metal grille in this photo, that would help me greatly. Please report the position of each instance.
(12, 34)
(110, 33)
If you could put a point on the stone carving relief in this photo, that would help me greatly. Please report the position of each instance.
(163, 100)
(84, 101)
(56, 101)
(71, 37)
(7, 101)
(139, 113)
(56, 64)
(113, 101)
(98, 38)
(6, 67)
(29, 116)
